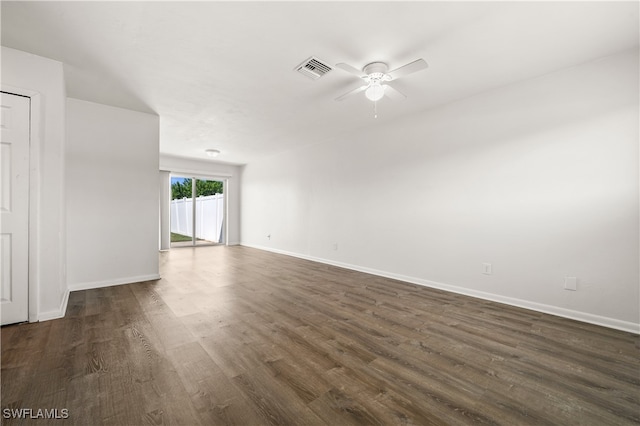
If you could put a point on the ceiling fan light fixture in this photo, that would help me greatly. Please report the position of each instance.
(212, 152)
(376, 74)
(374, 92)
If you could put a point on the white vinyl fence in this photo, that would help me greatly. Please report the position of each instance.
(208, 217)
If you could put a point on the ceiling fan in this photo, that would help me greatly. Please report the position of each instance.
(376, 77)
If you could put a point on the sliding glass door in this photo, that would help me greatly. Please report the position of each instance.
(209, 212)
(197, 211)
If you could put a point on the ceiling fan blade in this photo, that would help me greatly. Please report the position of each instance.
(353, 92)
(393, 93)
(410, 68)
(348, 68)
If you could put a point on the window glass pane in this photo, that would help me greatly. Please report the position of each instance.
(209, 211)
(181, 211)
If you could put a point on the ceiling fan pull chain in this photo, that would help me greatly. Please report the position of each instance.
(375, 109)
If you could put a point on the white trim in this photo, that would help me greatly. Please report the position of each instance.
(34, 207)
(225, 198)
(201, 162)
(109, 283)
(225, 217)
(197, 174)
(539, 307)
(194, 207)
(35, 140)
(59, 313)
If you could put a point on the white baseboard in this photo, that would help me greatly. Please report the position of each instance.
(58, 313)
(539, 307)
(109, 283)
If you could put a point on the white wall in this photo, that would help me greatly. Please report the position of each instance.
(44, 78)
(164, 189)
(213, 170)
(540, 179)
(112, 196)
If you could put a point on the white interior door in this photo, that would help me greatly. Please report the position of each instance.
(14, 208)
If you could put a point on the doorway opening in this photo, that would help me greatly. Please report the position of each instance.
(197, 211)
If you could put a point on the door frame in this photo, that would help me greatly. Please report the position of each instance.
(35, 142)
(225, 197)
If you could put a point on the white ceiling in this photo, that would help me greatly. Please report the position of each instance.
(221, 74)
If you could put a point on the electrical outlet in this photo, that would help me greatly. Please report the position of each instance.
(571, 283)
(269, 237)
(486, 269)
(334, 246)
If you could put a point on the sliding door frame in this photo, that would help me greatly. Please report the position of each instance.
(225, 198)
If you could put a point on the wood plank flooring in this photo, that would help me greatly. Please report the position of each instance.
(238, 336)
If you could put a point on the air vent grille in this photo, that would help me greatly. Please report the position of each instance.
(313, 68)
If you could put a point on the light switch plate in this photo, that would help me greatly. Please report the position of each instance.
(486, 269)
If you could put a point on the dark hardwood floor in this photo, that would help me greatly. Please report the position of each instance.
(233, 335)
